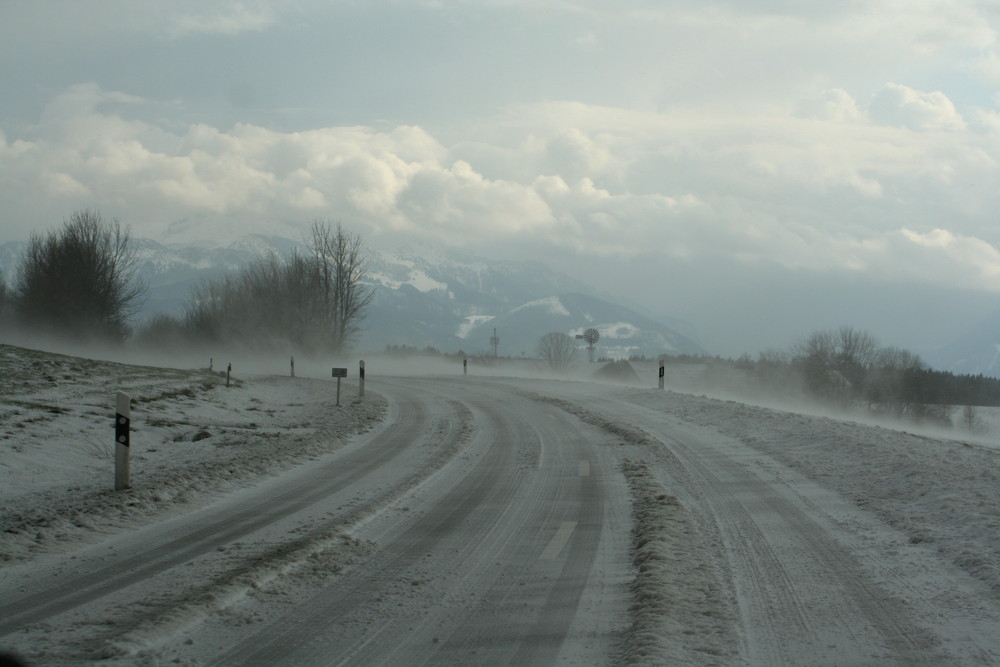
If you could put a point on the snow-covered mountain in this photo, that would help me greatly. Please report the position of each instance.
(427, 297)
(451, 301)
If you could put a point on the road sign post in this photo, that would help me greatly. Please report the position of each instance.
(123, 449)
(339, 373)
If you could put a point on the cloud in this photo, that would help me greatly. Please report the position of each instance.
(231, 19)
(902, 106)
(575, 155)
(825, 191)
(835, 105)
(950, 249)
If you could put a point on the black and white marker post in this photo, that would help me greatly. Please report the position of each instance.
(339, 373)
(661, 374)
(465, 366)
(123, 421)
(361, 383)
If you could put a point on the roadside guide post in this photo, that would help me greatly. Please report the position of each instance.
(661, 373)
(465, 366)
(229, 369)
(361, 384)
(293, 366)
(339, 373)
(123, 421)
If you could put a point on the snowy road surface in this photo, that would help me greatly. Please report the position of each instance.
(510, 521)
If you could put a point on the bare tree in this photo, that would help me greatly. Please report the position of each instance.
(855, 353)
(836, 363)
(814, 356)
(557, 350)
(342, 266)
(890, 383)
(80, 281)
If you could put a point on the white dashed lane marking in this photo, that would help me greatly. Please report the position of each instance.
(559, 540)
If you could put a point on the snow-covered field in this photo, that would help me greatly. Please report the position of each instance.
(753, 534)
(192, 437)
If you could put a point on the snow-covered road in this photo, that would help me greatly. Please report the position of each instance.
(516, 521)
(486, 562)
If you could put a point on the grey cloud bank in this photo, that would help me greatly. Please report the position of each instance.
(758, 170)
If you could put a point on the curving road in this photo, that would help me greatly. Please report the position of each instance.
(490, 522)
(489, 564)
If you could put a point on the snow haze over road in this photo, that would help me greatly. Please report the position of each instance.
(480, 519)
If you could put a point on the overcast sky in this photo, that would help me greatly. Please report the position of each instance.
(761, 169)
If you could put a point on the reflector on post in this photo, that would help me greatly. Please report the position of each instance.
(123, 449)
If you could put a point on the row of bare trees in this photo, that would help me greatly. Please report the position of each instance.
(850, 367)
(80, 283)
(311, 302)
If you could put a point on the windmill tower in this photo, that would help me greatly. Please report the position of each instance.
(591, 336)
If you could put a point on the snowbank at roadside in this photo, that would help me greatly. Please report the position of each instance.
(939, 491)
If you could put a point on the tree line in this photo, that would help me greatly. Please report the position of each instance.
(80, 283)
(849, 367)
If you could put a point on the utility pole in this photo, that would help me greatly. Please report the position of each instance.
(495, 342)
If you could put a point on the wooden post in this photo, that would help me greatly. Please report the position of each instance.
(123, 449)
